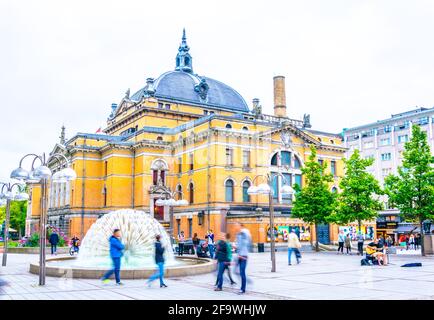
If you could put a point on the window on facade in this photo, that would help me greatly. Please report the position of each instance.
(229, 190)
(228, 126)
(388, 129)
(370, 156)
(285, 158)
(179, 192)
(178, 225)
(190, 228)
(368, 145)
(245, 129)
(386, 156)
(386, 171)
(332, 142)
(297, 164)
(275, 185)
(167, 106)
(179, 165)
(191, 161)
(274, 159)
(321, 161)
(105, 196)
(403, 138)
(159, 138)
(191, 193)
(105, 168)
(333, 167)
(229, 157)
(205, 112)
(160, 105)
(385, 142)
(246, 196)
(246, 158)
(287, 180)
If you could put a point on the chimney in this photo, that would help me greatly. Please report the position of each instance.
(279, 96)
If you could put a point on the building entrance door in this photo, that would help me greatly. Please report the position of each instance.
(158, 211)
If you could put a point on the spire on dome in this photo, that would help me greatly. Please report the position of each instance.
(183, 58)
(62, 136)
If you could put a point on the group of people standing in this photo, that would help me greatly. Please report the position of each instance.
(411, 241)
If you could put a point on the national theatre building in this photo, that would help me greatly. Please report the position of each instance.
(198, 139)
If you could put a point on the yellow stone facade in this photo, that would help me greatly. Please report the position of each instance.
(157, 143)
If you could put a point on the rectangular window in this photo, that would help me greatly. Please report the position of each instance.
(191, 162)
(298, 179)
(205, 112)
(178, 225)
(333, 167)
(388, 128)
(179, 165)
(386, 156)
(167, 106)
(190, 228)
(246, 158)
(371, 156)
(286, 198)
(229, 157)
(160, 105)
(385, 142)
(403, 138)
(321, 161)
(368, 145)
(386, 171)
(105, 168)
(275, 185)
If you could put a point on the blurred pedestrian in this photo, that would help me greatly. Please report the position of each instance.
(417, 241)
(181, 241)
(221, 255)
(75, 243)
(54, 240)
(243, 244)
(348, 244)
(211, 244)
(196, 242)
(159, 260)
(229, 260)
(411, 242)
(360, 241)
(116, 248)
(341, 240)
(293, 246)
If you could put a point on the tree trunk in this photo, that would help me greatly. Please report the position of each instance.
(360, 225)
(316, 238)
(422, 237)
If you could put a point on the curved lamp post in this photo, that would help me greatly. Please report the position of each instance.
(266, 189)
(7, 193)
(171, 202)
(41, 175)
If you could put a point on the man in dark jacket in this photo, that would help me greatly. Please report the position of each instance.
(159, 260)
(54, 240)
(116, 248)
(221, 255)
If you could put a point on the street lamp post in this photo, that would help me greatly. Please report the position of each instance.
(171, 202)
(266, 188)
(6, 192)
(41, 175)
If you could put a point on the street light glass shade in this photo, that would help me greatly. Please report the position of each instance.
(20, 174)
(287, 190)
(264, 188)
(8, 195)
(42, 172)
(69, 174)
(160, 202)
(32, 178)
(182, 202)
(252, 190)
(22, 196)
(57, 177)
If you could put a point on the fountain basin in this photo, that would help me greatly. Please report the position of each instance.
(188, 266)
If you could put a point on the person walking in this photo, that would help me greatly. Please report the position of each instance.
(293, 246)
(196, 242)
(221, 255)
(243, 244)
(229, 260)
(417, 241)
(116, 248)
(360, 241)
(54, 240)
(159, 260)
(341, 240)
(348, 244)
(411, 242)
(211, 246)
(181, 241)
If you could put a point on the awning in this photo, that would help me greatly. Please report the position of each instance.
(407, 229)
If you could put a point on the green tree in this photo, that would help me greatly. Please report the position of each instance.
(314, 203)
(18, 215)
(412, 189)
(358, 200)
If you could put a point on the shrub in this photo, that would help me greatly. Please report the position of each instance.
(33, 241)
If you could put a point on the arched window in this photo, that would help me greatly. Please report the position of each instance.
(274, 159)
(179, 191)
(246, 196)
(228, 126)
(245, 129)
(229, 190)
(297, 163)
(191, 193)
(159, 138)
(285, 158)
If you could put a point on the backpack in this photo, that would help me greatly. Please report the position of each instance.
(364, 262)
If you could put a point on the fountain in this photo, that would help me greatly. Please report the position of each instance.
(138, 231)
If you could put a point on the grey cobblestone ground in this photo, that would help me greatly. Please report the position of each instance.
(323, 275)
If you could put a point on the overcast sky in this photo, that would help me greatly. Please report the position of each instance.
(346, 62)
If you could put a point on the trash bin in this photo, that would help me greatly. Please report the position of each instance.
(261, 247)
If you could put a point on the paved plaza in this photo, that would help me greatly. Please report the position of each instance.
(323, 275)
